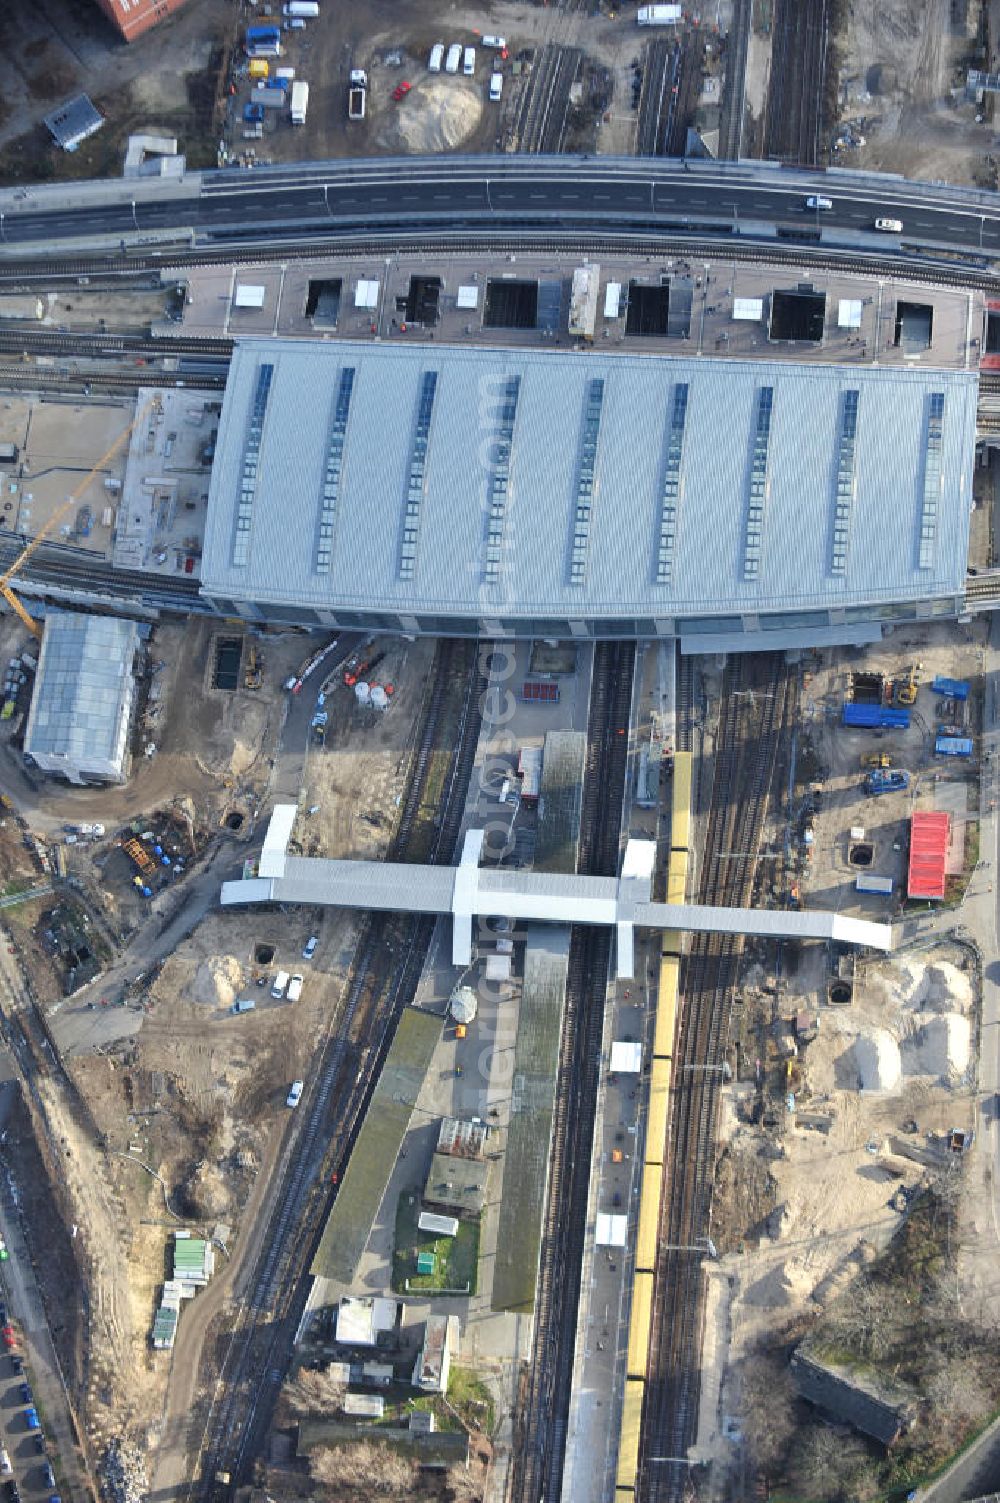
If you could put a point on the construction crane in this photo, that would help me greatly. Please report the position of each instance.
(6, 590)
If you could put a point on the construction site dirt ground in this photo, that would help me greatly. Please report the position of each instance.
(188, 1114)
(838, 1113)
(902, 71)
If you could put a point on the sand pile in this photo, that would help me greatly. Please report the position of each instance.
(217, 980)
(786, 1284)
(939, 987)
(940, 1048)
(876, 1055)
(437, 115)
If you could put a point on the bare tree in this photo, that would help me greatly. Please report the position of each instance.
(465, 1484)
(767, 1403)
(833, 1467)
(365, 1470)
(314, 1392)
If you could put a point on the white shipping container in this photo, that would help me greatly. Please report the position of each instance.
(300, 101)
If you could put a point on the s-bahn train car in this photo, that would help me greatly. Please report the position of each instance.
(666, 1007)
(640, 1322)
(628, 1443)
(680, 801)
(659, 1111)
(677, 875)
(649, 1218)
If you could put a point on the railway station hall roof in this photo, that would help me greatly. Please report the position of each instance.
(425, 485)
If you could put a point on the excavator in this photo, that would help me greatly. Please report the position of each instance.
(906, 693)
(6, 590)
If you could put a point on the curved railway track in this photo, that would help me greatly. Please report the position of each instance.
(542, 1422)
(744, 762)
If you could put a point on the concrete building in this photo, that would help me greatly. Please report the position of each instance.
(133, 17)
(481, 491)
(84, 698)
(440, 1345)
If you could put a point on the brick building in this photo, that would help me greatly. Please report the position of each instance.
(133, 17)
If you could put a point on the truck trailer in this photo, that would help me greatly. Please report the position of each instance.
(300, 101)
(356, 94)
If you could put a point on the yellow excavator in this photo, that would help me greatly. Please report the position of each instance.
(60, 512)
(906, 693)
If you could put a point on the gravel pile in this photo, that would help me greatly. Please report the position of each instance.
(124, 1473)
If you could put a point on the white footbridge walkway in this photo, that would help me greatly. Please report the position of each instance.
(469, 890)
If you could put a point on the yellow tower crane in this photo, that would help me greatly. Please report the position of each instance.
(5, 578)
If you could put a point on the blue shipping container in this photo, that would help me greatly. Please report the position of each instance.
(953, 746)
(952, 688)
(263, 33)
(876, 717)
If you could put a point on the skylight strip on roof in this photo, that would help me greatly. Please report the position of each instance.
(500, 479)
(416, 484)
(332, 473)
(933, 456)
(753, 538)
(845, 483)
(585, 481)
(670, 499)
(251, 460)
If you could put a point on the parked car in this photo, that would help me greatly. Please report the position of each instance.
(295, 1094)
(9, 1337)
(309, 949)
(31, 1418)
(890, 226)
(295, 988)
(5, 1465)
(16, 1363)
(401, 90)
(27, 1397)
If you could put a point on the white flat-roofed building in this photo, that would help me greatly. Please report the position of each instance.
(84, 698)
(507, 491)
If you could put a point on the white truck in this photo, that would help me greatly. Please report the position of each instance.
(358, 93)
(302, 10)
(300, 101)
(660, 15)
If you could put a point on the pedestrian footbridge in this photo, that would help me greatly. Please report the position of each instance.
(469, 891)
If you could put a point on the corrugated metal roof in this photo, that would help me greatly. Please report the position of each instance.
(928, 854)
(628, 490)
(83, 690)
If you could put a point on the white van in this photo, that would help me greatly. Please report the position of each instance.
(5, 1465)
(496, 87)
(436, 58)
(817, 201)
(495, 44)
(280, 982)
(453, 59)
(469, 62)
(295, 989)
(295, 1094)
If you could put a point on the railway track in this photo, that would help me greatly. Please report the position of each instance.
(734, 95)
(684, 727)
(542, 1422)
(383, 979)
(794, 113)
(697, 238)
(752, 724)
(542, 117)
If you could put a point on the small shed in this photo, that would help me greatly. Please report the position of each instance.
(73, 122)
(426, 1263)
(366, 294)
(246, 296)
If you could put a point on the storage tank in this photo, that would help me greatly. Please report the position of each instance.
(362, 693)
(380, 700)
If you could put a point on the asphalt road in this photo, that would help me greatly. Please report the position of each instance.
(566, 191)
